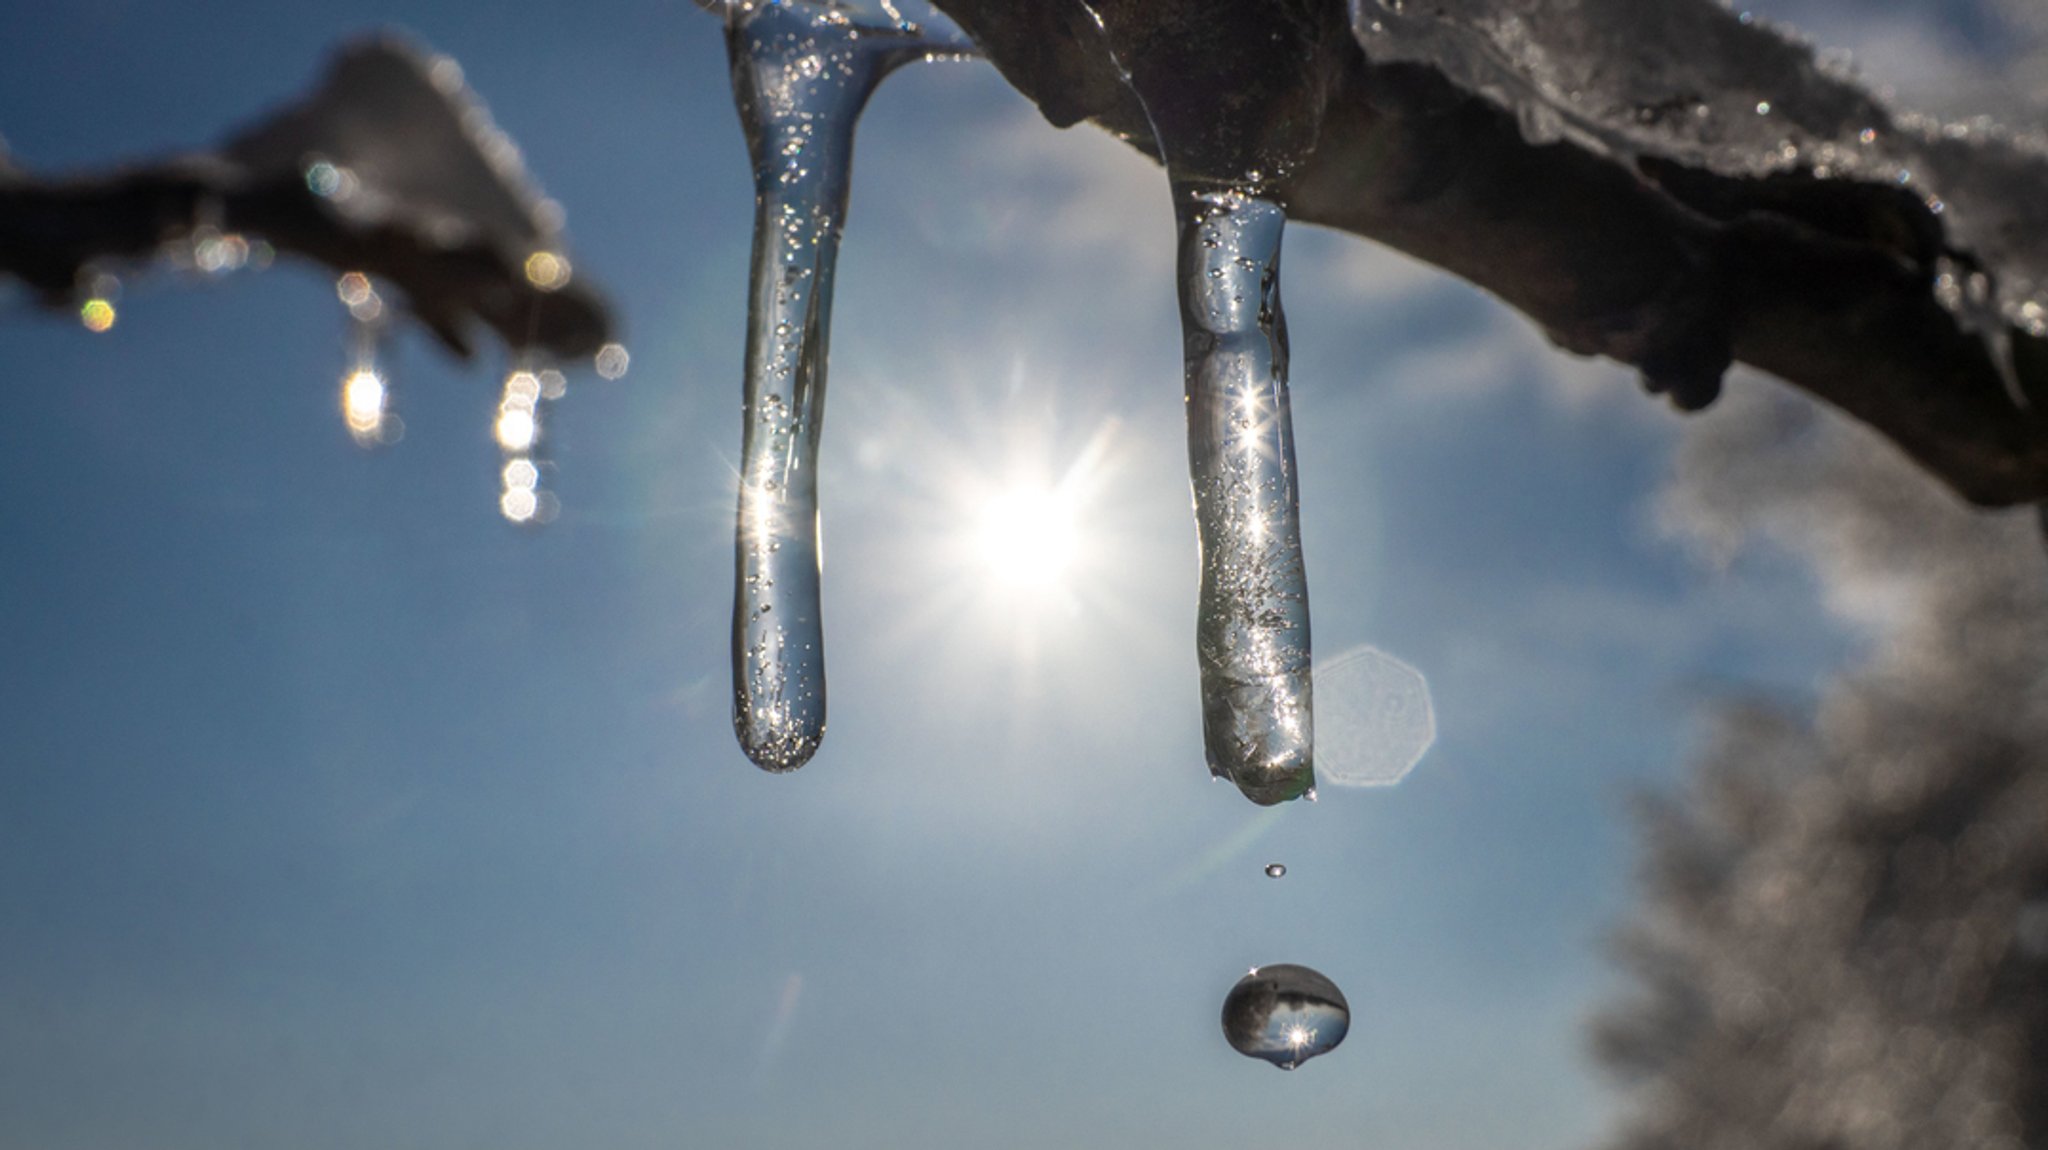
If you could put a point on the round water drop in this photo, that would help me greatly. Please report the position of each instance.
(1374, 720)
(1285, 1014)
(1276, 870)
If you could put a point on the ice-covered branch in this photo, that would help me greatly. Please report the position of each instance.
(1671, 185)
(391, 168)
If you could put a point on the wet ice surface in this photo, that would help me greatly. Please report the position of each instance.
(801, 74)
(1285, 1014)
(1710, 87)
(1374, 719)
(1252, 633)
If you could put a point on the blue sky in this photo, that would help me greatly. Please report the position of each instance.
(337, 812)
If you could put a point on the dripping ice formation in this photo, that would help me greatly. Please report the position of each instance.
(1252, 630)
(1252, 626)
(801, 73)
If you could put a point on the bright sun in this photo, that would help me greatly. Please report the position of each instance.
(1027, 534)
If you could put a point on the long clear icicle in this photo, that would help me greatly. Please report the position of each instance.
(1252, 634)
(1222, 152)
(801, 74)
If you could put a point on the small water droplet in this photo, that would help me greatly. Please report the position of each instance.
(1285, 1014)
(1276, 870)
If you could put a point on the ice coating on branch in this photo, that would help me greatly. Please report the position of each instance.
(801, 74)
(1690, 90)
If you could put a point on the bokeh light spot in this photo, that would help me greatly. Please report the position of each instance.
(516, 428)
(96, 314)
(519, 504)
(363, 400)
(547, 270)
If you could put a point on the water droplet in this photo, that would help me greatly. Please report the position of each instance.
(1763, 107)
(1285, 1014)
(1276, 870)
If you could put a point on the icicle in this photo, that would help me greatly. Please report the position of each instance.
(801, 73)
(1252, 630)
(1252, 635)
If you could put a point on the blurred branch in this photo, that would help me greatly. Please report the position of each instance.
(391, 168)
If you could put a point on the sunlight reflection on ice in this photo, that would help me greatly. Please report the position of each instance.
(1374, 720)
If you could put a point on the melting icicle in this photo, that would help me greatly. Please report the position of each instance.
(1285, 1014)
(801, 73)
(1252, 637)
(1252, 633)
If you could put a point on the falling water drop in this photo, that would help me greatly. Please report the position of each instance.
(1252, 635)
(801, 73)
(1276, 870)
(1285, 1014)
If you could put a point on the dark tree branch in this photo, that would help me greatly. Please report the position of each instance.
(1617, 184)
